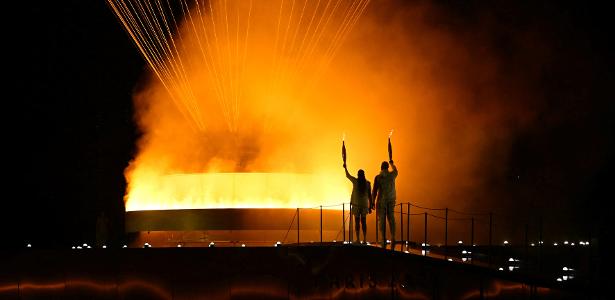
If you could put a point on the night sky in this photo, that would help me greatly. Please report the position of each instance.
(70, 131)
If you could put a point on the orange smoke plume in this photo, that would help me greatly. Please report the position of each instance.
(246, 100)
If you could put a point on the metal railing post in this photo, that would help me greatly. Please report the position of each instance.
(446, 233)
(344, 221)
(490, 238)
(425, 235)
(350, 223)
(321, 224)
(408, 228)
(401, 222)
(526, 249)
(540, 244)
(472, 242)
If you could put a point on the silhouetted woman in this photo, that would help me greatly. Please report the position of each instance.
(361, 200)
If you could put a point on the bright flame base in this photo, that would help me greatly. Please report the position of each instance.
(236, 190)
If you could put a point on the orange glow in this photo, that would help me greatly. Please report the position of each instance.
(246, 190)
(259, 92)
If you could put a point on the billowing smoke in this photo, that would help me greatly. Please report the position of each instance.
(444, 91)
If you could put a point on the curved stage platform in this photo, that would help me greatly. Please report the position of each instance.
(232, 219)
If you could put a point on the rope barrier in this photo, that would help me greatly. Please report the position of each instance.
(443, 218)
(467, 213)
(426, 208)
(290, 226)
(338, 233)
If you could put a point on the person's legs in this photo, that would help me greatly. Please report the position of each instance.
(364, 224)
(381, 211)
(357, 224)
(391, 217)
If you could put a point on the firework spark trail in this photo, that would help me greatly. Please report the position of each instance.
(311, 48)
(211, 67)
(315, 38)
(229, 67)
(274, 64)
(286, 67)
(184, 76)
(309, 27)
(175, 24)
(149, 53)
(343, 31)
(307, 36)
(217, 43)
(245, 50)
(175, 56)
(354, 22)
(190, 96)
(277, 75)
(356, 14)
(237, 83)
(155, 52)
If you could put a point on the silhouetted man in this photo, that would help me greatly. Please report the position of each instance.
(384, 192)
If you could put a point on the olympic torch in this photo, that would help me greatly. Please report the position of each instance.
(390, 147)
(344, 149)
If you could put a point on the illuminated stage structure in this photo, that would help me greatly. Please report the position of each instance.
(220, 114)
(257, 218)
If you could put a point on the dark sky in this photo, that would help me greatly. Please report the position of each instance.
(70, 131)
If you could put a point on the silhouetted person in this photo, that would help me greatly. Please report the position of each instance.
(361, 200)
(384, 192)
(102, 230)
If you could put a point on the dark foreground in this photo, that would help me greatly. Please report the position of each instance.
(286, 272)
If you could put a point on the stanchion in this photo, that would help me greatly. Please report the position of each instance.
(350, 228)
(472, 242)
(321, 224)
(401, 222)
(344, 221)
(525, 261)
(540, 243)
(408, 228)
(297, 226)
(446, 233)
(490, 238)
(425, 235)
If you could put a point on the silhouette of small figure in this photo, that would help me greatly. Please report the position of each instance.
(384, 192)
(102, 229)
(361, 200)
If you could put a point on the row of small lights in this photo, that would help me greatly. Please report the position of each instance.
(423, 252)
(212, 244)
(567, 274)
(582, 243)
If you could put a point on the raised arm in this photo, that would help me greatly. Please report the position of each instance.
(352, 179)
(394, 168)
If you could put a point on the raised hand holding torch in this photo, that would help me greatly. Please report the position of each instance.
(390, 147)
(344, 150)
